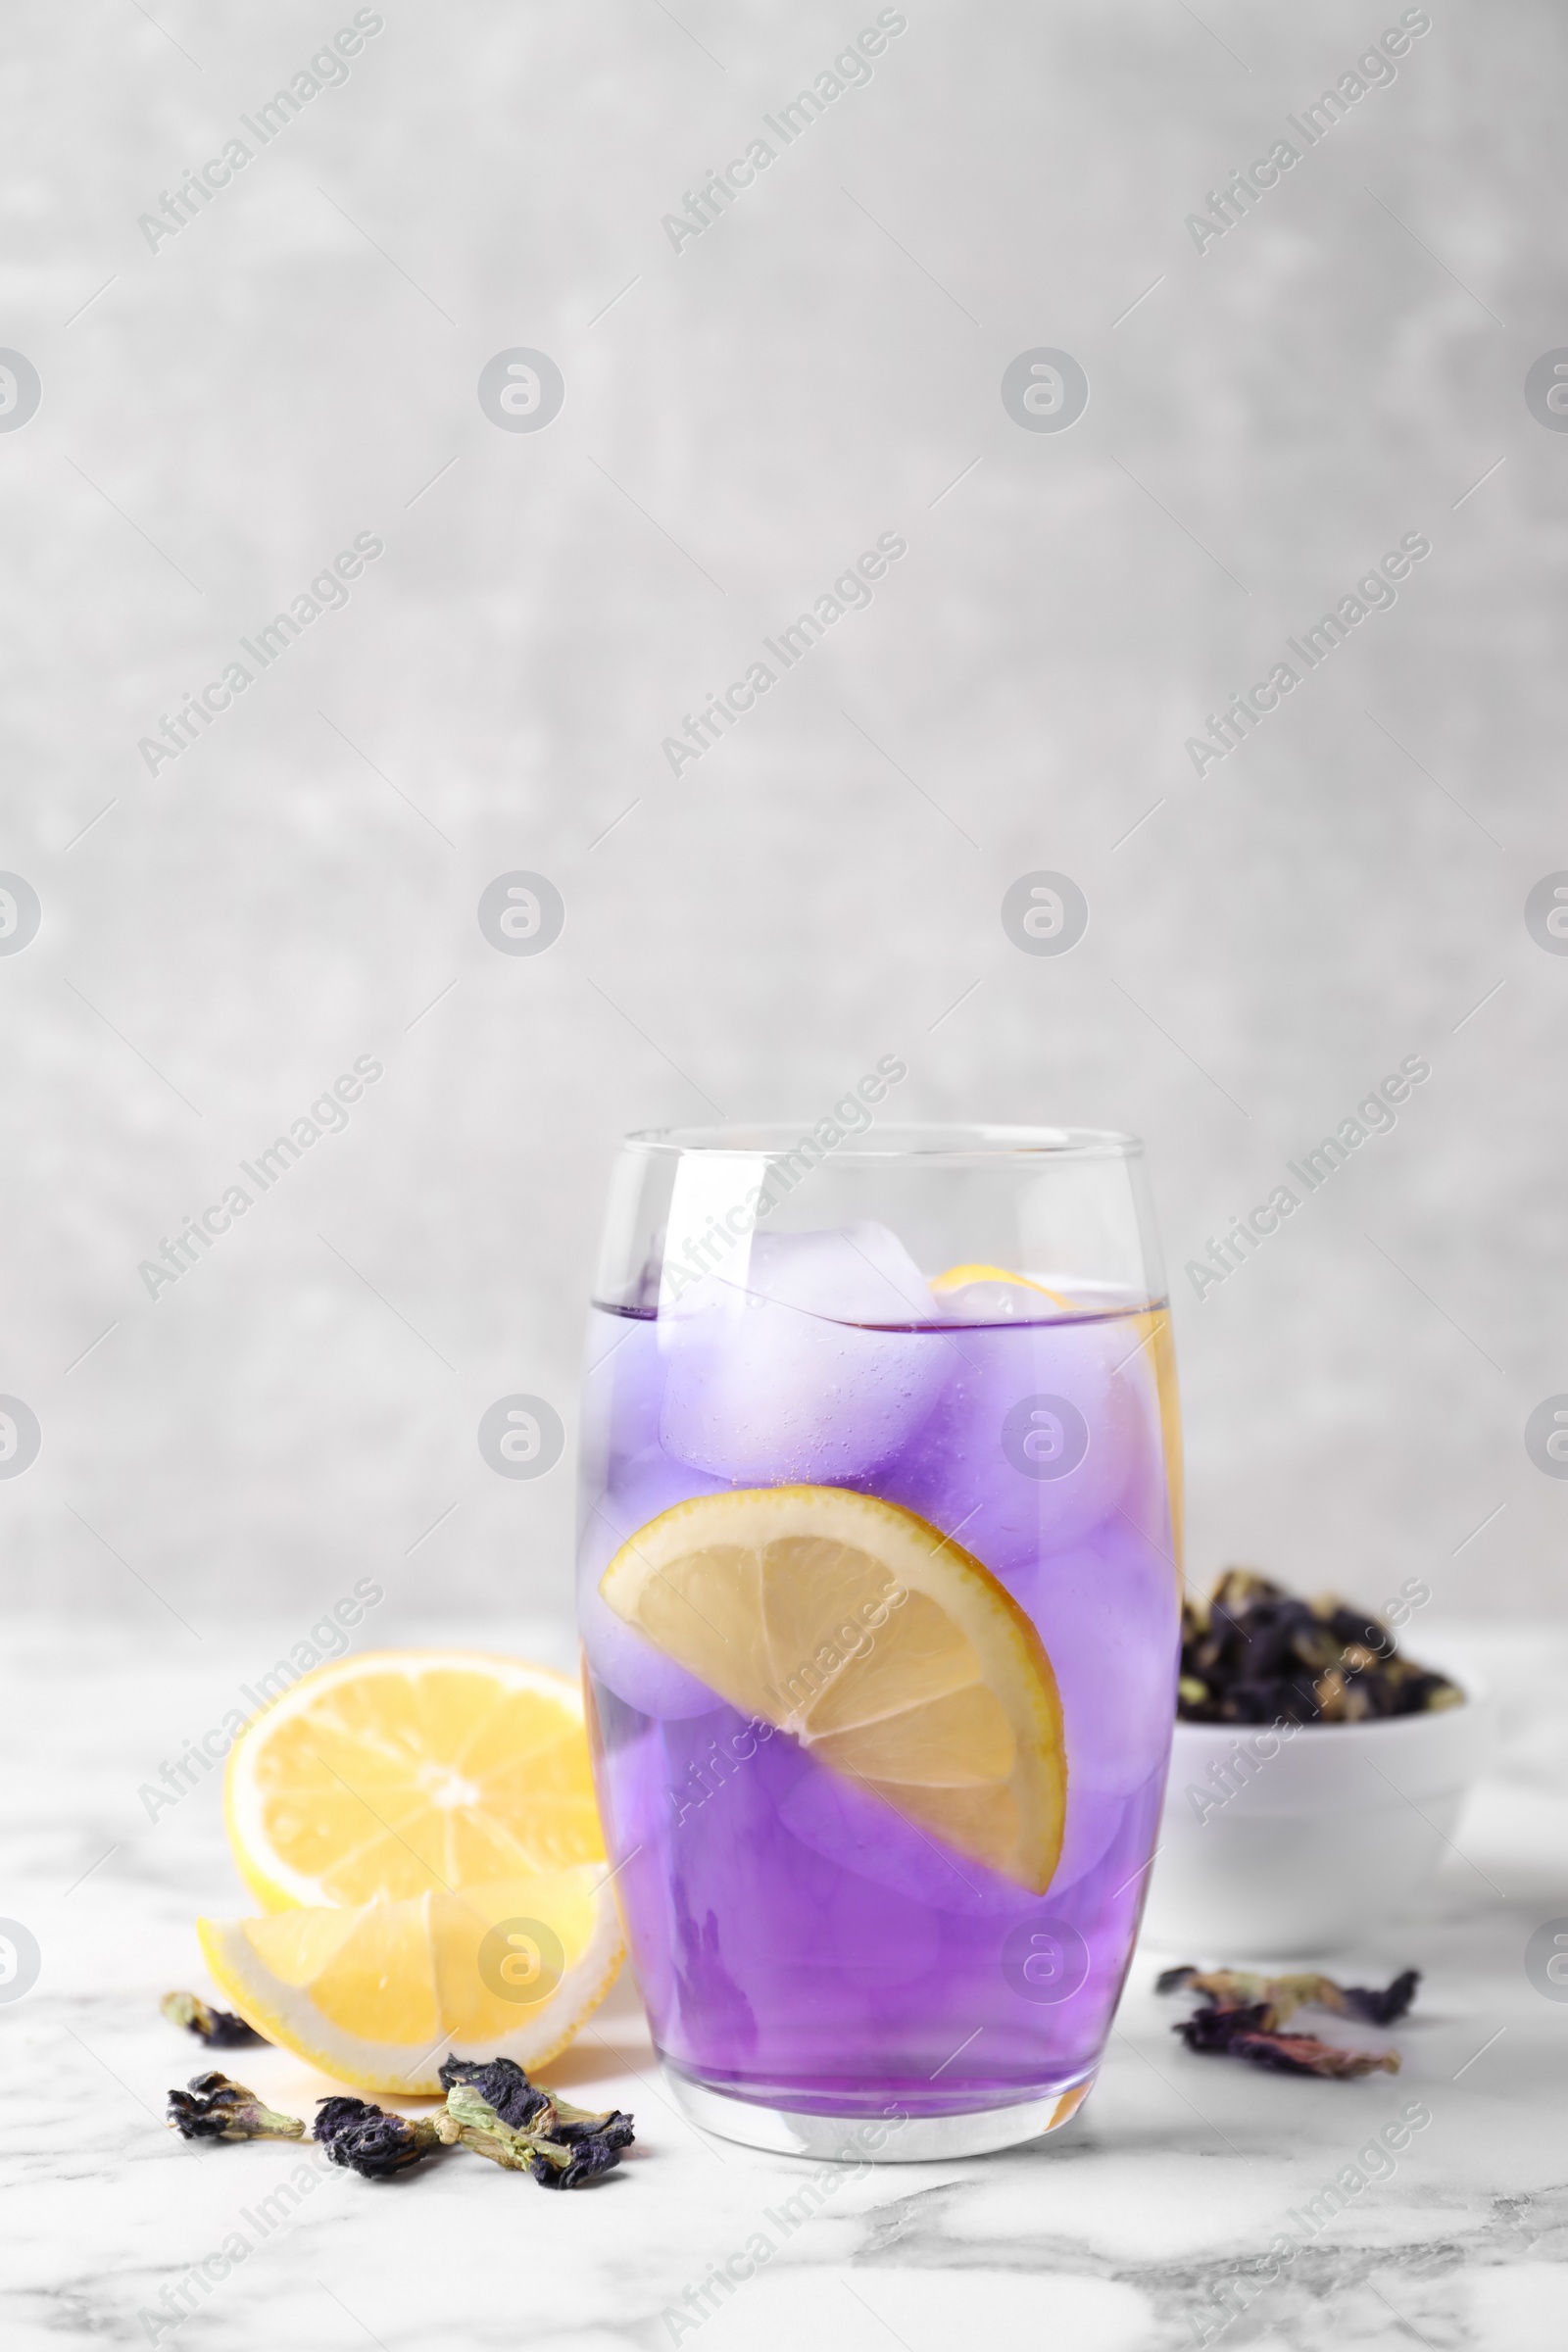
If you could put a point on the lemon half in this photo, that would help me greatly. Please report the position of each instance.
(400, 1773)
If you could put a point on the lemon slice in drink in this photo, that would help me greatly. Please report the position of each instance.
(378, 1994)
(882, 1646)
(398, 1773)
(960, 1278)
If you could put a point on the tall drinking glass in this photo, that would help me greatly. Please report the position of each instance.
(879, 1598)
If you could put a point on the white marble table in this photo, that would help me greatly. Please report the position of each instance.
(1116, 2235)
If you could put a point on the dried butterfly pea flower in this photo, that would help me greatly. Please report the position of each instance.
(1245, 2033)
(1243, 2013)
(1256, 1653)
(1432, 1691)
(334, 2115)
(369, 2140)
(576, 2123)
(491, 2109)
(1329, 1691)
(383, 2144)
(1354, 1627)
(1317, 1647)
(1238, 1586)
(471, 2122)
(219, 2028)
(560, 2147)
(555, 2166)
(502, 2084)
(1282, 1997)
(1382, 2007)
(212, 2107)
(370, 2143)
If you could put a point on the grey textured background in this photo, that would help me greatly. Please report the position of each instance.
(300, 364)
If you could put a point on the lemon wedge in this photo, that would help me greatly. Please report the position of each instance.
(378, 1994)
(887, 1651)
(398, 1773)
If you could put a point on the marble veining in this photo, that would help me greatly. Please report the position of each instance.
(1139, 2228)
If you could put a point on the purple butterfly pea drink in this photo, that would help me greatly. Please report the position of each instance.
(822, 1970)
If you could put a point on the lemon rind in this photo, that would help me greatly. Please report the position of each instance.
(962, 1278)
(288, 2016)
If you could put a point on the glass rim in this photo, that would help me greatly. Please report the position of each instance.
(913, 1139)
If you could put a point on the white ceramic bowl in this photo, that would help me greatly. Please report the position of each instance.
(1333, 1833)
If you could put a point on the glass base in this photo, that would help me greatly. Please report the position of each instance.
(844, 2138)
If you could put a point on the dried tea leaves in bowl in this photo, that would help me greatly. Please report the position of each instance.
(1256, 1653)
